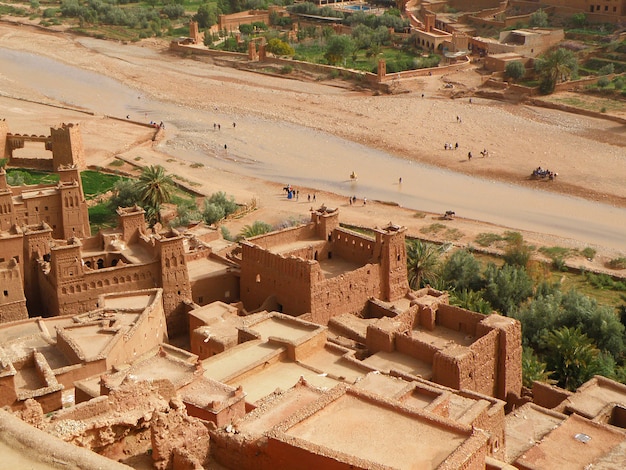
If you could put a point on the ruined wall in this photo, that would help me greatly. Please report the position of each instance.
(289, 279)
(347, 293)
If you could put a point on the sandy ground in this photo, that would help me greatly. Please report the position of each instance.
(587, 153)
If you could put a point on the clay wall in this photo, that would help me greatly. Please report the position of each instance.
(66, 376)
(232, 22)
(606, 8)
(8, 394)
(11, 246)
(509, 366)
(289, 279)
(174, 280)
(473, 5)
(446, 371)
(148, 332)
(378, 340)
(352, 246)
(458, 319)
(8, 217)
(549, 396)
(207, 290)
(417, 349)
(12, 300)
(67, 146)
(80, 294)
(347, 293)
(285, 236)
(485, 364)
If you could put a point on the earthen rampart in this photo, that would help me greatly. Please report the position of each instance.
(347, 293)
(264, 273)
(352, 246)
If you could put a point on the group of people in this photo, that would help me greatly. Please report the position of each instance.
(352, 200)
(448, 146)
(292, 193)
(541, 173)
(483, 153)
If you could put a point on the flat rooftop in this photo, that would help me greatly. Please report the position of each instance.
(258, 422)
(444, 339)
(235, 361)
(589, 400)
(279, 376)
(575, 445)
(351, 425)
(336, 266)
(387, 361)
(203, 268)
(296, 245)
(285, 329)
(527, 426)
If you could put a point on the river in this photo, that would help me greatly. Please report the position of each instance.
(286, 153)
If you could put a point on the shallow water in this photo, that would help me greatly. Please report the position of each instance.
(287, 153)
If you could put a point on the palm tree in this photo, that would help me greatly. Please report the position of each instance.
(556, 66)
(422, 259)
(155, 188)
(572, 355)
(257, 228)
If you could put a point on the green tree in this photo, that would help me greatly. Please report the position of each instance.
(278, 47)
(155, 188)
(206, 15)
(422, 262)
(338, 48)
(533, 369)
(470, 300)
(539, 19)
(556, 66)
(462, 272)
(572, 356)
(212, 213)
(257, 228)
(507, 287)
(125, 194)
(579, 20)
(515, 70)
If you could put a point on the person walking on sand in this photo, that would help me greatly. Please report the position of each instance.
(469, 156)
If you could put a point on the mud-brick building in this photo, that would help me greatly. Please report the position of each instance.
(12, 300)
(75, 272)
(323, 269)
(62, 206)
(62, 148)
(40, 358)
